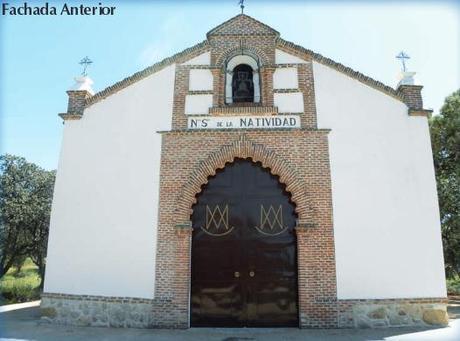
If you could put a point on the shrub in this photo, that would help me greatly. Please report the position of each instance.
(20, 287)
(453, 286)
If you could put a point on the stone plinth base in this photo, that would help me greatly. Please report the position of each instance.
(120, 312)
(392, 313)
(96, 311)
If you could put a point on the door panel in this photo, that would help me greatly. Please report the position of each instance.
(244, 257)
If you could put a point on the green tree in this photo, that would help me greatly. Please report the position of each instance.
(37, 232)
(445, 139)
(25, 204)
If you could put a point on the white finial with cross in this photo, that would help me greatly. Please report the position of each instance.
(402, 56)
(241, 3)
(85, 62)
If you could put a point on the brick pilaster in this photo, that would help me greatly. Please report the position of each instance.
(412, 95)
(77, 101)
(307, 87)
(181, 83)
(266, 76)
(76, 104)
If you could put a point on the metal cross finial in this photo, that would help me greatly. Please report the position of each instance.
(403, 56)
(241, 3)
(85, 62)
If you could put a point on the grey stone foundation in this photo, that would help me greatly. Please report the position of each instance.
(96, 311)
(392, 313)
(122, 312)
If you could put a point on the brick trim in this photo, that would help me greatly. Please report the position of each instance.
(412, 95)
(70, 117)
(77, 101)
(237, 130)
(420, 112)
(111, 299)
(205, 46)
(282, 44)
(443, 300)
(181, 89)
(255, 23)
(184, 228)
(307, 87)
(200, 92)
(309, 55)
(246, 110)
(315, 244)
(196, 67)
(231, 52)
(286, 91)
(289, 65)
(177, 58)
(244, 148)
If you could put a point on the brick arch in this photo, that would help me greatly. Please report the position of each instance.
(263, 58)
(244, 148)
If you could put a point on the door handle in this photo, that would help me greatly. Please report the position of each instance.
(236, 274)
(252, 273)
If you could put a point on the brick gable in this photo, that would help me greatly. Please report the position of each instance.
(242, 24)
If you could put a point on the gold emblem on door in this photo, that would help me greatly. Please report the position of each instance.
(217, 221)
(271, 220)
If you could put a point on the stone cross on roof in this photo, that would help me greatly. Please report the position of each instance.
(402, 56)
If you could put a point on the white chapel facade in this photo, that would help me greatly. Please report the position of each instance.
(250, 182)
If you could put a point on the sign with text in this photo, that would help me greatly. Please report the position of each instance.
(244, 122)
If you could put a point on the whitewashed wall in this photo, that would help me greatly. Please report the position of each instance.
(202, 59)
(386, 218)
(200, 79)
(282, 57)
(289, 102)
(198, 104)
(285, 78)
(103, 221)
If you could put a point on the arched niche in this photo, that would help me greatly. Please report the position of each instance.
(235, 62)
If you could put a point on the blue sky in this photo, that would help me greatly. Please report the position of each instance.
(40, 55)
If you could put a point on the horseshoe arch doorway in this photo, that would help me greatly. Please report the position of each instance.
(244, 251)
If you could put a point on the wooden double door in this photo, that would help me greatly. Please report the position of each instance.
(244, 256)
